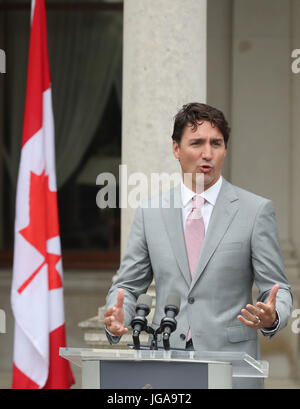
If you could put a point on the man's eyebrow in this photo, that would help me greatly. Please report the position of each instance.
(216, 138)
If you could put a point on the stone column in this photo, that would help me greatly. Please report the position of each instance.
(219, 45)
(261, 133)
(2, 79)
(295, 125)
(164, 66)
(295, 164)
(264, 128)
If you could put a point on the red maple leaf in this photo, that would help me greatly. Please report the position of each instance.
(43, 225)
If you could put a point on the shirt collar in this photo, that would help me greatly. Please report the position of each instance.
(210, 195)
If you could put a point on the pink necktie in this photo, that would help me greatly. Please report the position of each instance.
(194, 232)
(194, 236)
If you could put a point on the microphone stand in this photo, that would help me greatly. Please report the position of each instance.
(150, 330)
(153, 345)
(167, 326)
(136, 337)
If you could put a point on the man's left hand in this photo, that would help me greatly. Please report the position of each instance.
(262, 315)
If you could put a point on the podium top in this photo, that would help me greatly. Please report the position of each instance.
(243, 365)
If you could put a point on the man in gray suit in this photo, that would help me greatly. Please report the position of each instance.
(238, 246)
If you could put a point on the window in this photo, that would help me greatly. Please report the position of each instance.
(85, 53)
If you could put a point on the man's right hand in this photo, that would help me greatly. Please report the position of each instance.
(114, 316)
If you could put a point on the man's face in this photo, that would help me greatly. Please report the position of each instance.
(201, 152)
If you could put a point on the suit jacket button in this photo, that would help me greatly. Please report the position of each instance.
(182, 336)
(191, 300)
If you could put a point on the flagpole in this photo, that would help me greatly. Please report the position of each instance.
(32, 10)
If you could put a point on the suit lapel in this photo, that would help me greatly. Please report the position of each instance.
(172, 216)
(224, 211)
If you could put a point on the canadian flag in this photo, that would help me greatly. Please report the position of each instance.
(37, 286)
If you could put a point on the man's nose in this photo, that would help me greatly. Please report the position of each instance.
(207, 152)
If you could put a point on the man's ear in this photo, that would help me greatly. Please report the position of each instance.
(176, 149)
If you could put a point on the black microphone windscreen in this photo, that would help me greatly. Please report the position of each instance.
(145, 299)
(174, 300)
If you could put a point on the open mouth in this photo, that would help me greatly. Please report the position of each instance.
(205, 168)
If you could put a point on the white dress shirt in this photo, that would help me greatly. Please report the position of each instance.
(210, 195)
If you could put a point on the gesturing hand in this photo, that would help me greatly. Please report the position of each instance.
(114, 316)
(263, 315)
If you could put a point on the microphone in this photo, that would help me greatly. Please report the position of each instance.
(168, 323)
(139, 322)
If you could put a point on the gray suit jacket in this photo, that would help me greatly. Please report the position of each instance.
(241, 246)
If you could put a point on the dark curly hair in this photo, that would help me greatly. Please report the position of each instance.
(194, 114)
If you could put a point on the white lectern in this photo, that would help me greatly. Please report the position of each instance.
(160, 369)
